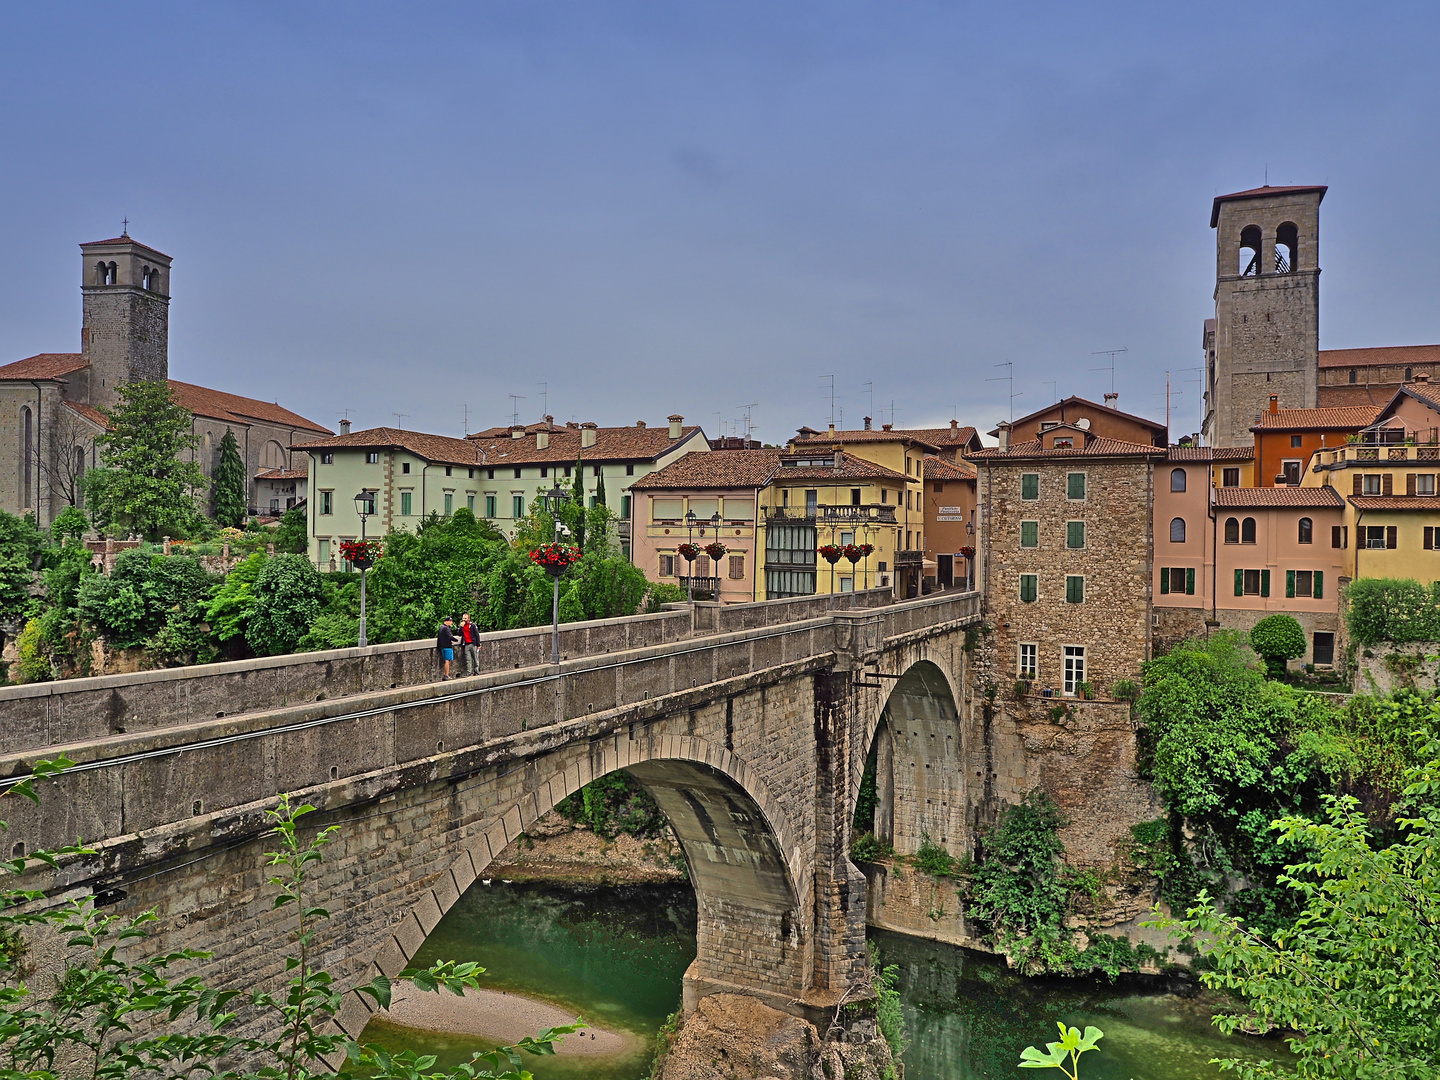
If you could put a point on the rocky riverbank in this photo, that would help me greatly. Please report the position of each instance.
(555, 849)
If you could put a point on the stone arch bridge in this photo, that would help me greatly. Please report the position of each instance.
(750, 725)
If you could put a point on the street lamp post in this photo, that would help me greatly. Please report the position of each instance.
(557, 497)
(364, 506)
(715, 525)
(690, 547)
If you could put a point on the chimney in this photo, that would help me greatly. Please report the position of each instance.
(587, 433)
(344, 427)
(887, 427)
(1004, 433)
(572, 425)
(517, 431)
(542, 440)
(675, 421)
(1274, 404)
(954, 427)
(640, 424)
(867, 423)
(1421, 377)
(832, 431)
(549, 419)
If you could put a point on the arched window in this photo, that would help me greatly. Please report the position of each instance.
(1249, 251)
(145, 278)
(1177, 479)
(1177, 530)
(273, 456)
(1352, 374)
(1307, 531)
(1232, 530)
(112, 274)
(27, 461)
(102, 273)
(1409, 374)
(1247, 531)
(1286, 248)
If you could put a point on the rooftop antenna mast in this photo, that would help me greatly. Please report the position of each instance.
(544, 399)
(1112, 396)
(870, 390)
(747, 408)
(832, 397)
(515, 399)
(399, 416)
(467, 417)
(1008, 377)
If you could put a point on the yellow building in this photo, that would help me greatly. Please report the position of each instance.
(1233, 466)
(821, 496)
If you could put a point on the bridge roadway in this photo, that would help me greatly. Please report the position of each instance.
(749, 724)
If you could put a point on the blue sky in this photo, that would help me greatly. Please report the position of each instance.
(690, 207)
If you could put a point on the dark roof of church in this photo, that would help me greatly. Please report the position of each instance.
(1260, 193)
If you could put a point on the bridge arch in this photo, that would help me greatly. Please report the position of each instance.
(916, 737)
(753, 883)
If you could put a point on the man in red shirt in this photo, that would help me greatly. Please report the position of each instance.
(470, 645)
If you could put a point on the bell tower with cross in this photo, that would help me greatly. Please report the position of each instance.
(125, 335)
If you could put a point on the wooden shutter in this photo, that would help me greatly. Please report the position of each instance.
(1334, 536)
(1429, 538)
(1410, 483)
(1317, 588)
(1264, 582)
(1387, 484)
(1164, 580)
(1190, 582)
(1356, 487)
(1391, 537)
(1239, 582)
(737, 567)
(1290, 583)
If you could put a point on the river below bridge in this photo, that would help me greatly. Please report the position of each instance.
(615, 955)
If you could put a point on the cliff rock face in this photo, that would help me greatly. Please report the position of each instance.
(733, 1037)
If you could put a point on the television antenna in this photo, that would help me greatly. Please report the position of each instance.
(1112, 353)
(515, 399)
(399, 416)
(832, 397)
(544, 399)
(870, 390)
(1008, 377)
(747, 408)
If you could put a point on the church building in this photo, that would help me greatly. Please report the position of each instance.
(50, 403)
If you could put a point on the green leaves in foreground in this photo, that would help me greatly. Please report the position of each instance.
(1067, 1051)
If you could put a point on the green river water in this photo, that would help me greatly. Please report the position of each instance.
(615, 955)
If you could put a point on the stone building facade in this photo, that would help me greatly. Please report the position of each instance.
(1066, 556)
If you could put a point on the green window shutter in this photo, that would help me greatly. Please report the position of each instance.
(405, 504)
(1075, 534)
(1075, 590)
(1289, 582)
(1239, 582)
(1028, 584)
(1264, 582)
(1030, 485)
(1075, 485)
(1164, 580)
(1029, 534)
(1318, 588)
(1190, 582)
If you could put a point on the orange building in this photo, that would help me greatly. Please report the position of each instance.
(1285, 439)
(1101, 421)
(950, 522)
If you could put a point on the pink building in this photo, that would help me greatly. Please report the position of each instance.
(702, 498)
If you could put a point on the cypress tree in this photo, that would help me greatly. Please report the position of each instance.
(577, 499)
(229, 483)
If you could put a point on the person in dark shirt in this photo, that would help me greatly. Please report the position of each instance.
(470, 644)
(445, 642)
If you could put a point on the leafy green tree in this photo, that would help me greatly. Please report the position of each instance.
(287, 595)
(228, 492)
(292, 534)
(1278, 638)
(233, 601)
(142, 594)
(1354, 981)
(1392, 609)
(70, 524)
(1017, 889)
(21, 543)
(148, 489)
(575, 519)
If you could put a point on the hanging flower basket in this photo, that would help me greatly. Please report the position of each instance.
(555, 559)
(688, 552)
(853, 553)
(716, 551)
(967, 551)
(831, 553)
(361, 554)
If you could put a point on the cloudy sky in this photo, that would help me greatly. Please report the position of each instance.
(650, 208)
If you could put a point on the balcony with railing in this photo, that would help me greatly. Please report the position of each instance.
(708, 586)
(866, 514)
(909, 557)
(1359, 455)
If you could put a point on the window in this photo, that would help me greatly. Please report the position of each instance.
(327, 502)
(1430, 538)
(1074, 534)
(517, 506)
(544, 471)
(1339, 536)
(470, 503)
(939, 488)
(1029, 534)
(1290, 470)
(597, 470)
(322, 552)
(449, 501)
(1075, 485)
(1232, 530)
(517, 474)
(884, 495)
(1029, 665)
(1177, 579)
(1295, 442)
(1306, 531)
(1287, 248)
(854, 496)
(1352, 374)
(470, 474)
(667, 566)
(406, 503)
(630, 470)
(567, 472)
(405, 467)
(1305, 583)
(372, 457)
(1380, 536)
(1249, 252)
(1324, 648)
(812, 500)
(846, 538)
(1063, 442)
(1074, 668)
(737, 567)
(1230, 477)
(1177, 530)
(624, 507)
(907, 499)
(489, 474)
(489, 506)
(1422, 483)
(1247, 531)
(1074, 589)
(847, 584)
(1177, 479)
(1029, 486)
(1029, 588)
(327, 459)
(666, 509)
(1370, 484)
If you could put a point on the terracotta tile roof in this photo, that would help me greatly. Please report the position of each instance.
(1395, 502)
(1096, 447)
(218, 405)
(1260, 192)
(125, 240)
(959, 436)
(847, 467)
(439, 448)
(89, 412)
(46, 365)
(1335, 418)
(282, 474)
(808, 437)
(1384, 354)
(1318, 498)
(1425, 393)
(719, 469)
(611, 444)
(940, 469)
(504, 431)
(1212, 453)
(1075, 399)
(1235, 453)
